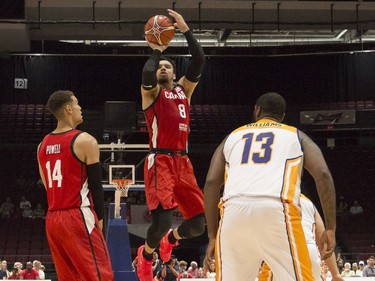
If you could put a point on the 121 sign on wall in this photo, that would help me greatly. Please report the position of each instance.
(20, 83)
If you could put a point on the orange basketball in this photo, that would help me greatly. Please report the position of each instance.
(159, 30)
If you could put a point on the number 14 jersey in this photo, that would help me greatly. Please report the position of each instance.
(64, 173)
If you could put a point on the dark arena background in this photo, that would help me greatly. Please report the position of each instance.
(320, 56)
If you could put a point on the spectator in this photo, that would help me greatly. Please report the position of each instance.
(3, 274)
(200, 273)
(347, 272)
(356, 209)
(24, 203)
(342, 206)
(211, 270)
(19, 266)
(176, 264)
(156, 264)
(326, 273)
(27, 212)
(4, 266)
(14, 274)
(361, 266)
(7, 208)
(357, 272)
(340, 265)
(369, 269)
(183, 266)
(193, 269)
(339, 258)
(184, 274)
(169, 273)
(29, 273)
(39, 211)
(38, 267)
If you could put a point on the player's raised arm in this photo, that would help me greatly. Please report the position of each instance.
(150, 87)
(194, 72)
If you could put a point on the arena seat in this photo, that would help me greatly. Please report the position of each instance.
(333, 106)
(369, 104)
(23, 251)
(341, 105)
(360, 105)
(351, 105)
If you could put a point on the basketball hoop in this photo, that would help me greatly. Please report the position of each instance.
(122, 188)
(122, 185)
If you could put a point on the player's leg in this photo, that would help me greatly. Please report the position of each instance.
(189, 198)
(61, 259)
(158, 189)
(84, 256)
(283, 231)
(160, 180)
(56, 236)
(161, 224)
(237, 253)
(100, 261)
(315, 261)
(266, 274)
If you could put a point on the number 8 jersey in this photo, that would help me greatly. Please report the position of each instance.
(267, 159)
(168, 119)
(64, 173)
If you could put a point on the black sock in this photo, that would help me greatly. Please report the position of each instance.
(171, 238)
(147, 256)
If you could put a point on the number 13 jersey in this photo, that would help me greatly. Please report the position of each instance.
(65, 175)
(267, 159)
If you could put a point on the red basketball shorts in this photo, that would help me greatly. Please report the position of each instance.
(170, 181)
(77, 244)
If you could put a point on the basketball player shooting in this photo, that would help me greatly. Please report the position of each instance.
(169, 175)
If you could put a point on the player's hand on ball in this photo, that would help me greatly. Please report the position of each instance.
(154, 46)
(180, 22)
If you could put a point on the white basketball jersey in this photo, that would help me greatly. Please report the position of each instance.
(264, 159)
(308, 219)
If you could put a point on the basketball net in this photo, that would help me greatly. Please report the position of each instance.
(122, 188)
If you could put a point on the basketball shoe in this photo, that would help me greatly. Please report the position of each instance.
(144, 267)
(165, 248)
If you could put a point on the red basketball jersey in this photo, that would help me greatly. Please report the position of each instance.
(64, 173)
(168, 119)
